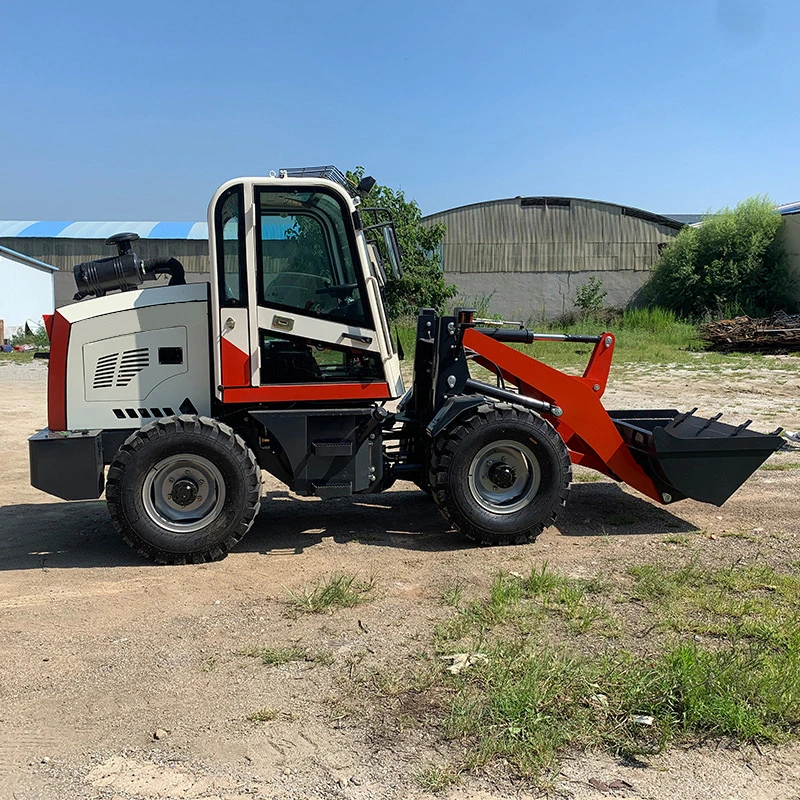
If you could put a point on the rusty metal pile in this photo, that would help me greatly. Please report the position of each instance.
(779, 333)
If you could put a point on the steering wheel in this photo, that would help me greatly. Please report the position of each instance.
(340, 292)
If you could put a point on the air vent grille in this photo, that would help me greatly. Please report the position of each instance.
(118, 370)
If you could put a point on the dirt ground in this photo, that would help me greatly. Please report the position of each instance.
(99, 649)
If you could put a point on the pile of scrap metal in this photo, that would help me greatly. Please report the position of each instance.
(779, 333)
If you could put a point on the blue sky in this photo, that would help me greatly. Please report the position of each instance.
(139, 110)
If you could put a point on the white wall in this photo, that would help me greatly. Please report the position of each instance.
(25, 293)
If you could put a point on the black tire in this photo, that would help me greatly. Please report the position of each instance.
(514, 448)
(219, 481)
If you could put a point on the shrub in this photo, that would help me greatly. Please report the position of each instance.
(734, 261)
(589, 296)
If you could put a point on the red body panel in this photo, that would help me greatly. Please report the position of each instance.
(286, 393)
(235, 365)
(58, 333)
(589, 433)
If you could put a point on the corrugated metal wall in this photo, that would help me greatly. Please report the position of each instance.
(550, 235)
(66, 253)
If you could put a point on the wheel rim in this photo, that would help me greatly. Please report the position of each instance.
(183, 493)
(504, 476)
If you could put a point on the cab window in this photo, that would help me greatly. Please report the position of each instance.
(305, 262)
(231, 258)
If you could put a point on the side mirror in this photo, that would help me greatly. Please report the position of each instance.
(392, 250)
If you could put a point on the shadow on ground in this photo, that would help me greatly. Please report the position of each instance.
(80, 534)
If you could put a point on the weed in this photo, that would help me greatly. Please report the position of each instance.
(336, 591)
(434, 778)
(263, 715)
(453, 594)
(676, 538)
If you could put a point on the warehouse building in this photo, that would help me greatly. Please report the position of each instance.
(525, 257)
(522, 257)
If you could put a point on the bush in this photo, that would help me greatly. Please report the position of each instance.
(733, 262)
(589, 296)
(37, 336)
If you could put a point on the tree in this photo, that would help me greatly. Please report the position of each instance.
(733, 263)
(423, 284)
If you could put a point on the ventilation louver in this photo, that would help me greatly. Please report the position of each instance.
(118, 369)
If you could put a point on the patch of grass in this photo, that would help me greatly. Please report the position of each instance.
(336, 591)
(587, 477)
(435, 778)
(17, 357)
(729, 666)
(274, 656)
(676, 538)
(453, 594)
(775, 467)
(263, 715)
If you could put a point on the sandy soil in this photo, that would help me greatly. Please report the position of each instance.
(99, 649)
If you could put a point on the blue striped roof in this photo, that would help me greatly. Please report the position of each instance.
(102, 230)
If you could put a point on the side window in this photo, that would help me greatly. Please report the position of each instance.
(231, 257)
(305, 263)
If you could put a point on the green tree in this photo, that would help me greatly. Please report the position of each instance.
(423, 284)
(733, 263)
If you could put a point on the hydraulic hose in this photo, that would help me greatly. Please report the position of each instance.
(160, 265)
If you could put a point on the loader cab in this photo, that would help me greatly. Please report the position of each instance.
(297, 295)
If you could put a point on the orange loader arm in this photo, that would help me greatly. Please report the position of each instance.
(588, 431)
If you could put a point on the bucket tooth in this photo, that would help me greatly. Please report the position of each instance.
(743, 426)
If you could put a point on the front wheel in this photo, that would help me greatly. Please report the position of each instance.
(183, 489)
(500, 475)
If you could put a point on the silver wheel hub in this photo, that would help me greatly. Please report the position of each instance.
(504, 476)
(183, 493)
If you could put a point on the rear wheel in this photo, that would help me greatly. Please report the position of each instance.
(500, 475)
(183, 489)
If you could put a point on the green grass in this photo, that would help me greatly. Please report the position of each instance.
(18, 358)
(780, 467)
(707, 653)
(336, 591)
(434, 778)
(644, 337)
(263, 715)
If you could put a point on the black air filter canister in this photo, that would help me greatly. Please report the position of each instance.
(118, 273)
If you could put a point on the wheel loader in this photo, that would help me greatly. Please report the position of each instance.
(173, 398)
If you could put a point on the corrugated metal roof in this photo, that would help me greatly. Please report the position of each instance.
(102, 230)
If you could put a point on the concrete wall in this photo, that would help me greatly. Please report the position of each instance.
(532, 296)
(791, 241)
(25, 294)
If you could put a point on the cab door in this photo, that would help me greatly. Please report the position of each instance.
(232, 289)
(318, 335)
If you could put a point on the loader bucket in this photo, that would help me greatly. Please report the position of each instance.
(689, 456)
